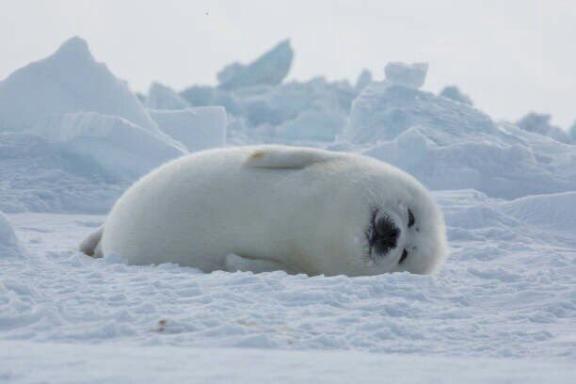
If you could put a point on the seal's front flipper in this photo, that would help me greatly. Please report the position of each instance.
(280, 157)
(235, 263)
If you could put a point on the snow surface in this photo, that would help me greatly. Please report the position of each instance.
(64, 363)
(36, 175)
(73, 137)
(508, 292)
(197, 128)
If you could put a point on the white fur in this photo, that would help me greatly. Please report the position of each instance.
(273, 207)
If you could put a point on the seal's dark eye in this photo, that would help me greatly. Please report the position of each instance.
(411, 219)
(403, 257)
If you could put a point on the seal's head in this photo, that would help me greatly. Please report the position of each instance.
(356, 215)
(379, 219)
(404, 231)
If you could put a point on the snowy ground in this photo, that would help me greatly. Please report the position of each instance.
(62, 363)
(502, 310)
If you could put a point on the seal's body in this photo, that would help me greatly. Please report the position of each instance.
(264, 208)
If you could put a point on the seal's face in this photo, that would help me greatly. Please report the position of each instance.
(383, 220)
(382, 235)
(380, 220)
(404, 233)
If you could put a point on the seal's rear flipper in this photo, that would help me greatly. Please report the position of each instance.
(279, 157)
(235, 263)
(91, 245)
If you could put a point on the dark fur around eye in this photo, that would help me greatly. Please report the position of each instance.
(403, 257)
(411, 219)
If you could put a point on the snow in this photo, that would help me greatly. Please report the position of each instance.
(556, 211)
(326, 125)
(364, 78)
(406, 75)
(287, 113)
(383, 111)
(452, 145)
(73, 137)
(454, 93)
(163, 97)
(36, 175)
(117, 145)
(269, 69)
(540, 123)
(62, 363)
(70, 80)
(197, 128)
(507, 294)
(263, 107)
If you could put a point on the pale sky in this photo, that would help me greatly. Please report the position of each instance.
(510, 56)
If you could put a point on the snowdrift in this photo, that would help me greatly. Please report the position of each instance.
(449, 144)
(72, 135)
(120, 147)
(70, 80)
(41, 176)
(265, 108)
(555, 211)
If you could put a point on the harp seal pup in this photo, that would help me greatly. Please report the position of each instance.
(264, 208)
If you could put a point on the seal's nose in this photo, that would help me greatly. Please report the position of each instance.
(386, 234)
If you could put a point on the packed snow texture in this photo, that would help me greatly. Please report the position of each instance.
(36, 175)
(196, 128)
(66, 363)
(508, 291)
(73, 137)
